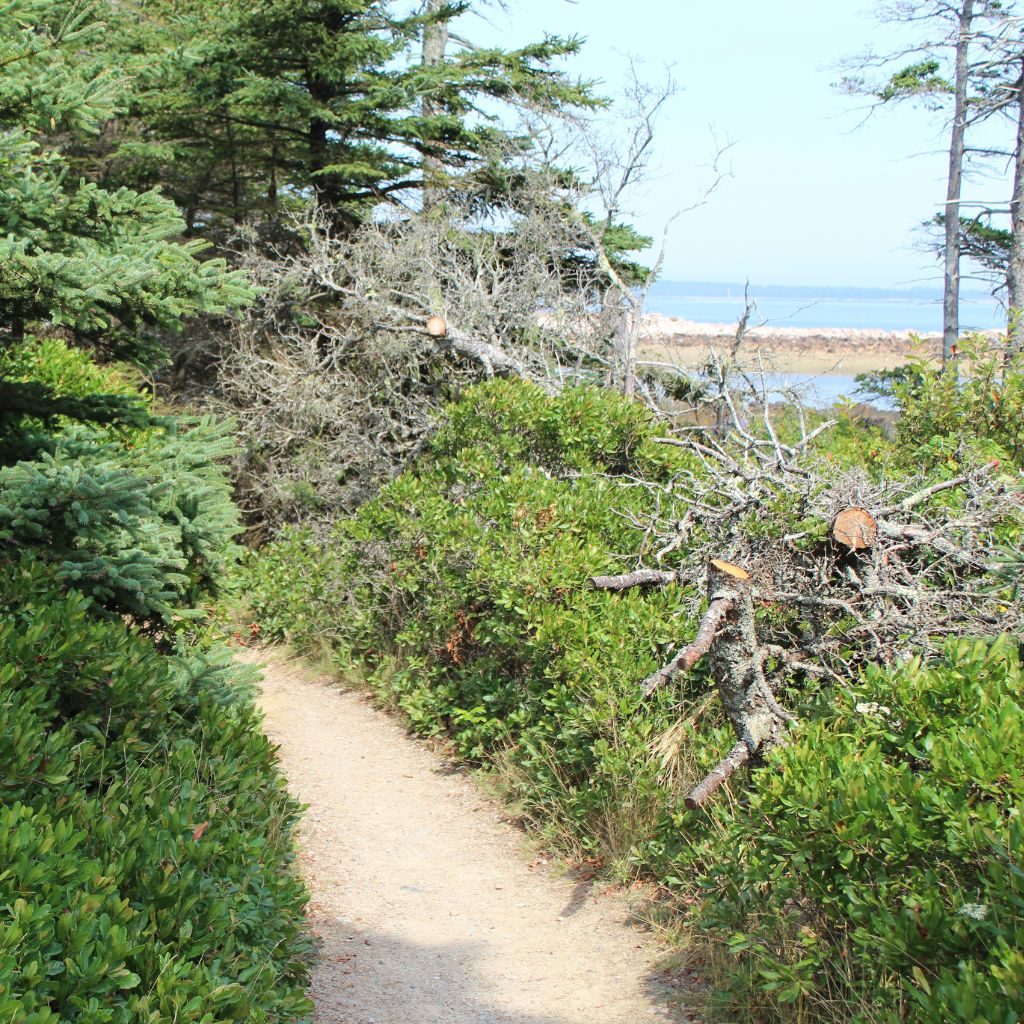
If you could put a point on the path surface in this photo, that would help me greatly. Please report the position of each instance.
(422, 896)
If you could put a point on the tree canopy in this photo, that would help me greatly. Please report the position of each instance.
(240, 110)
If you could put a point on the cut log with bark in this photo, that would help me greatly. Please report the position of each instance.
(855, 528)
(736, 662)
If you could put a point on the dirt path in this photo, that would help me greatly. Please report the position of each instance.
(423, 898)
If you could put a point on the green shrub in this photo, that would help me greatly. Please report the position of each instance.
(145, 835)
(462, 589)
(839, 883)
(65, 370)
(875, 869)
(144, 526)
(979, 404)
(46, 386)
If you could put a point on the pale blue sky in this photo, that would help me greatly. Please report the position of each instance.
(814, 199)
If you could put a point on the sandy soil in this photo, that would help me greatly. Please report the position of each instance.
(425, 901)
(790, 349)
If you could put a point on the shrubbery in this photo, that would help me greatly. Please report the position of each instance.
(459, 587)
(460, 590)
(978, 402)
(875, 868)
(136, 513)
(145, 835)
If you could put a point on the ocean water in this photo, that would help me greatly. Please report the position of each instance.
(823, 390)
(903, 313)
(916, 309)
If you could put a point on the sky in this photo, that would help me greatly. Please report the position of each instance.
(816, 194)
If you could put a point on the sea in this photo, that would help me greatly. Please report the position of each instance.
(906, 309)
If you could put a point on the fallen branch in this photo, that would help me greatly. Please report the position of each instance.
(702, 792)
(639, 578)
(946, 485)
(493, 359)
(693, 652)
(932, 538)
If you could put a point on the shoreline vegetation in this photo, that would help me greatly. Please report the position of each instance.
(786, 349)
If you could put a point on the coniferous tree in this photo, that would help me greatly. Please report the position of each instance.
(101, 265)
(140, 525)
(240, 109)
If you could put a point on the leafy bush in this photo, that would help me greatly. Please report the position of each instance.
(979, 404)
(145, 835)
(875, 868)
(888, 822)
(460, 588)
(144, 831)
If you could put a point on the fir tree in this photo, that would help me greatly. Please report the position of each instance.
(241, 109)
(133, 510)
(102, 263)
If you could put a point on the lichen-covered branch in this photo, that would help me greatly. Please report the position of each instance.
(638, 578)
(842, 569)
(727, 636)
(721, 773)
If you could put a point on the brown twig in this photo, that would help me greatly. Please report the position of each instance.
(692, 652)
(702, 792)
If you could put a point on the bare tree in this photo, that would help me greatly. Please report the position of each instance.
(1015, 263)
(339, 373)
(341, 369)
(954, 176)
(949, 28)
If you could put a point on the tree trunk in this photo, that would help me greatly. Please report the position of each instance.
(623, 337)
(951, 283)
(236, 184)
(1015, 265)
(435, 43)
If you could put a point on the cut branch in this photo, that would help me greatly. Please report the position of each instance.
(946, 485)
(855, 528)
(691, 653)
(639, 578)
(702, 792)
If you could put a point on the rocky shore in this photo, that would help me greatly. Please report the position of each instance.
(793, 349)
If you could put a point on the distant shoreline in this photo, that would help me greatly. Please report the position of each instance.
(847, 350)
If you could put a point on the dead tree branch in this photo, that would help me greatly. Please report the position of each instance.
(875, 571)
(712, 621)
(639, 578)
(718, 776)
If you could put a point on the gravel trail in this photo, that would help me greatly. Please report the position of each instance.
(425, 902)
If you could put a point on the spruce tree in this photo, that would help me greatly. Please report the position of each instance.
(241, 109)
(132, 509)
(103, 264)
